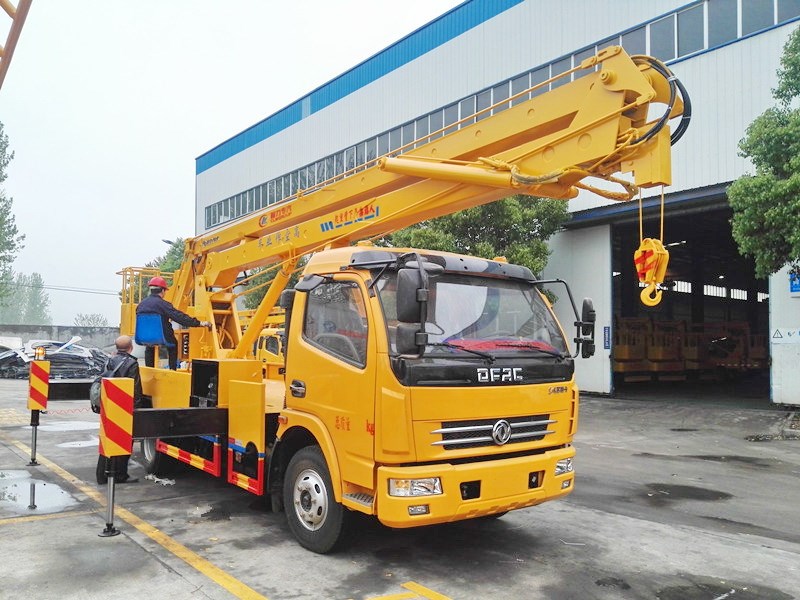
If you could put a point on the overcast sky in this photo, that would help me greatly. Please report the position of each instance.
(107, 104)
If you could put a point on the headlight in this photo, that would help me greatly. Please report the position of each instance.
(564, 466)
(430, 486)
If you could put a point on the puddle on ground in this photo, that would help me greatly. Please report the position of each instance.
(18, 490)
(661, 494)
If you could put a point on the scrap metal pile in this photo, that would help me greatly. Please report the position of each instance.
(67, 360)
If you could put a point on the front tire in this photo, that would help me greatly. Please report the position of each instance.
(317, 521)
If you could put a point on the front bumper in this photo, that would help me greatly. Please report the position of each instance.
(504, 485)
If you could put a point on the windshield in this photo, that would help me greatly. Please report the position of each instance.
(471, 313)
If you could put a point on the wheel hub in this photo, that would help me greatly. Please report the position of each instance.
(310, 500)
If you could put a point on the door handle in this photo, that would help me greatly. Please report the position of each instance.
(298, 388)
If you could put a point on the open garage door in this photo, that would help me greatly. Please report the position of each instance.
(712, 323)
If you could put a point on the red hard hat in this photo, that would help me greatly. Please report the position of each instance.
(158, 282)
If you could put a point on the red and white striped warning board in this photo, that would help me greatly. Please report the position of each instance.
(39, 385)
(116, 417)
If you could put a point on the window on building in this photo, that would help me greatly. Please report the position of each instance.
(372, 149)
(408, 133)
(756, 15)
(422, 130)
(662, 38)
(450, 117)
(335, 323)
(540, 76)
(635, 42)
(437, 122)
(722, 27)
(263, 198)
(251, 200)
(558, 67)
(383, 144)
(500, 93)
(578, 58)
(350, 159)
(338, 163)
(395, 139)
(329, 167)
(361, 154)
(467, 110)
(690, 30)
(292, 184)
(279, 189)
(271, 196)
(788, 9)
(518, 85)
(482, 102)
(302, 179)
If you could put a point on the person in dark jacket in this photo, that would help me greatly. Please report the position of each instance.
(125, 365)
(155, 304)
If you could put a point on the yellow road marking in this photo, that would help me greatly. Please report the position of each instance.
(63, 515)
(194, 560)
(417, 591)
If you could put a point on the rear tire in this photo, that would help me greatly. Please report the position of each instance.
(155, 462)
(318, 522)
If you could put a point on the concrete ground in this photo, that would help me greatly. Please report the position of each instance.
(676, 497)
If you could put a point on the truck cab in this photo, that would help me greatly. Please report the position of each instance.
(452, 400)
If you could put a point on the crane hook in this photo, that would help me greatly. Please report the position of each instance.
(650, 295)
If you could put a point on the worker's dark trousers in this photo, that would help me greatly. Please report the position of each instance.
(150, 356)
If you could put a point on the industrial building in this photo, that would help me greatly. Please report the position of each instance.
(716, 318)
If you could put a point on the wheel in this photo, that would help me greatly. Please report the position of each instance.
(155, 462)
(317, 521)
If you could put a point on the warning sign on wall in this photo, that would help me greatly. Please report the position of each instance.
(785, 335)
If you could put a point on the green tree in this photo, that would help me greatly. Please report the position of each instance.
(10, 238)
(517, 228)
(90, 320)
(171, 260)
(27, 302)
(766, 205)
(265, 276)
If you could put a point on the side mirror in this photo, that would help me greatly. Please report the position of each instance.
(286, 299)
(588, 319)
(410, 292)
(410, 339)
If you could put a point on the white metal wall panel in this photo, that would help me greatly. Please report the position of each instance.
(784, 342)
(518, 39)
(583, 259)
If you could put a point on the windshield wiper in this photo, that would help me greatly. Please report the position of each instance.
(485, 355)
(533, 346)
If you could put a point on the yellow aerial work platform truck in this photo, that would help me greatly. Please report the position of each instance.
(420, 387)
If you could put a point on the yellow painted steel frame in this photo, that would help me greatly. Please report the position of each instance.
(246, 426)
(18, 16)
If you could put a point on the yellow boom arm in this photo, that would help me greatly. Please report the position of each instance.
(549, 145)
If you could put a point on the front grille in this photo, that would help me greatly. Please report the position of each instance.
(457, 435)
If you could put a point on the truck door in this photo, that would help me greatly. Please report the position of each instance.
(333, 361)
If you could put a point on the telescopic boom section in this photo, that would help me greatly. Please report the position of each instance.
(593, 127)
